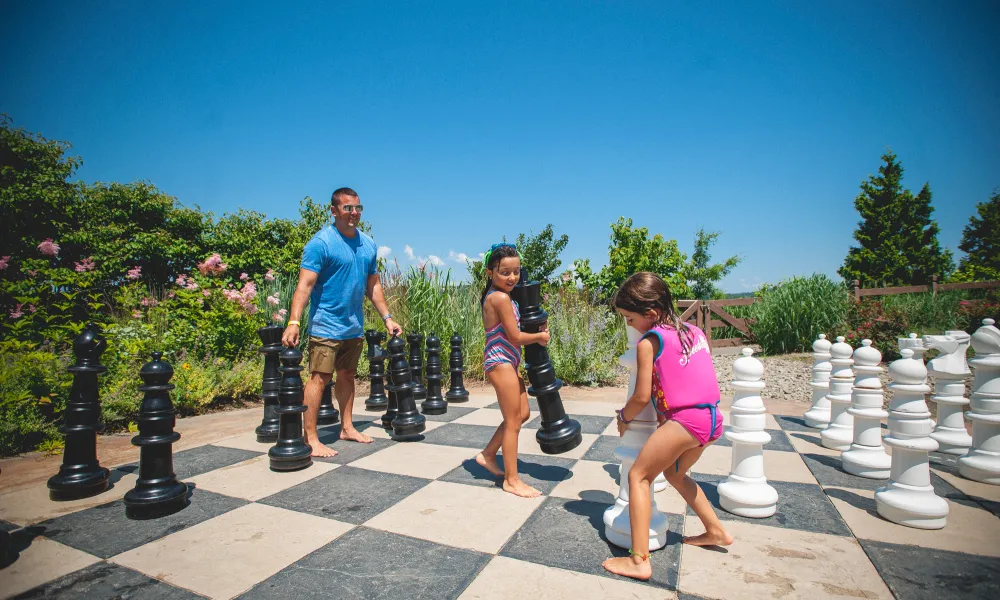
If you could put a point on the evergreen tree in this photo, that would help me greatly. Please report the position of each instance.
(702, 276)
(981, 242)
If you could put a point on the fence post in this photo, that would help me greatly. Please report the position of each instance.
(706, 319)
(857, 291)
(934, 285)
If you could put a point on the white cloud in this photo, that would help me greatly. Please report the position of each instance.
(408, 252)
(384, 251)
(435, 260)
(751, 285)
(459, 257)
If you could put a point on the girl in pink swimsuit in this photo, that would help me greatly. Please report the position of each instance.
(676, 373)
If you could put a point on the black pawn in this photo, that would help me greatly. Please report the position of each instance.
(270, 337)
(328, 413)
(376, 370)
(80, 474)
(558, 433)
(291, 451)
(417, 365)
(434, 404)
(407, 422)
(157, 491)
(456, 390)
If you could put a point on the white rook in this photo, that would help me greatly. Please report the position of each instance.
(949, 370)
(909, 498)
(617, 526)
(818, 416)
(746, 491)
(840, 432)
(982, 462)
(866, 457)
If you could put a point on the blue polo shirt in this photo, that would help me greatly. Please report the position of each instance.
(336, 305)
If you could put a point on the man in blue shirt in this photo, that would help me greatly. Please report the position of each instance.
(338, 270)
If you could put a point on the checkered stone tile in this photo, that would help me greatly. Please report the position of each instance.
(603, 450)
(454, 412)
(37, 561)
(588, 423)
(427, 461)
(32, 505)
(253, 479)
(543, 473)
(107, 581)
(828, 472)
(466, 436)
(348, 452)
(532, 405)
(202, 459)
(569, 534)
(915, 573)
(779, 441)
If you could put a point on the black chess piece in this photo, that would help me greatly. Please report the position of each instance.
(328, 413)
(291, 452)
(407, 422)
(376, 370)
(417, 365)
(157, 492)
(456, 389)
(270, 337)
(434, 404)
(81, 475)
(558, 433)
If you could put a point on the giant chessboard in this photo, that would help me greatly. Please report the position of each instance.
(420, 519)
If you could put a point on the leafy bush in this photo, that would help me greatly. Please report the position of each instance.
(878, 321)
(34, 387)
(791, 315)
(587, 337)
(973, 312)
(927, 313)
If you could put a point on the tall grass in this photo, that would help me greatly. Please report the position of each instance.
(791, 315)
(929, 314)
(586, 337)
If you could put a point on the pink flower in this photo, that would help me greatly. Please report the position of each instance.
(206, 293)
(134, 273)
(213, 265)
(84, 265)
(283, 312)
(136, 314)
(277, 318)
(273, 300)
(32, 272)
(249, 291)
(192, 285)
(180, 280)
(31, 308)
(244, 277)
(4, 262)
(16, 313)
(171, 294)
(251, 309)
(148, 302)
(269, 276)
(49, 248)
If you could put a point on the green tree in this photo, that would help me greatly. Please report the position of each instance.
(981, 243)
(632, 250)
(701, 274)
(897, 237)
(540, 252)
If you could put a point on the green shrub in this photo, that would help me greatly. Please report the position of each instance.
(878, 321)
(34, 387)
(587, 337)
(791, 315)
(927, 314)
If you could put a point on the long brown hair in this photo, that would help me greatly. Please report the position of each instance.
(647, 291)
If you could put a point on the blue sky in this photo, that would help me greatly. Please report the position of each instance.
(461, 122)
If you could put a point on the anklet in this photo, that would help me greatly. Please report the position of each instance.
(642, 556)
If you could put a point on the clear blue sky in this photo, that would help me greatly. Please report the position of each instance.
(461, 122)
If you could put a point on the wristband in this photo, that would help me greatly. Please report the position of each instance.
(387, 317)
(294, 323)
(621, 417)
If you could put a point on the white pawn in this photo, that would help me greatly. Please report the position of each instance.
(818, 416)
(949, 370)
(909, 497)
(746, 491)
(840, 432)
(617, 526)
(982, 462)
(866, 457)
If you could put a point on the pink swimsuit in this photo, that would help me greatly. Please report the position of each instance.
(685, 388)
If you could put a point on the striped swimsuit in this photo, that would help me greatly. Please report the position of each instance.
(499, 349)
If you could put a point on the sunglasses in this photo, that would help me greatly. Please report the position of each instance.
(350, 208)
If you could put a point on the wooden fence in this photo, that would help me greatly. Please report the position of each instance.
(706, 314)
(934, 287)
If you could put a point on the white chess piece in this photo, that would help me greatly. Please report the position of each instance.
(840, 432)
(982, 462)
(949, 370)
(866, 457)
(909, 497)
(746, 491)
(617, 525)
(818, 416)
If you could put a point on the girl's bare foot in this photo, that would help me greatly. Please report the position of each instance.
(490, 464)
(320, 450)
(630, 566)
(519, 488)
(710, 538)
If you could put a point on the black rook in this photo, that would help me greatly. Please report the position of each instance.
(376, 370)
(80, 474)
(456, 389)
(407, 422)
(434, 404)
(416, 365)
(270, 337)
(291, 451)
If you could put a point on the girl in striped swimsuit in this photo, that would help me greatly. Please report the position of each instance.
(504, 339)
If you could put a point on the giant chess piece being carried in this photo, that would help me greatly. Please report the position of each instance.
(157, 492)
(376, 370)
(406, 422)
(456, 387)
(327, 413)
(291, 452)
(909, 497)
(417, 365)
(949, 370)
(434, 404)
(558, 433)
(746, 491)
(982, 461)
(840, 432)
(818, 416)
(270, 337)
(866, 457)
(617, 524)
(81, 475)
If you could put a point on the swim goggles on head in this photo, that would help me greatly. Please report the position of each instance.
(486, 257)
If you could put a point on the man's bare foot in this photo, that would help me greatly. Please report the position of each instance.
(353, 435)
(320, 450)
(490, 464)
(713, 538)
(519, 488)
(630, 566)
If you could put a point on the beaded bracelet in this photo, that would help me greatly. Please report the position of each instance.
(621, 417)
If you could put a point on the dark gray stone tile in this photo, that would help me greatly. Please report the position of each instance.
(459, 434)
(208, 458)
(603, 450)
(569, 534)
(532, 404)
(347, 494)
(801, 506)
(454, 412)
(588, 423)
(365, 563)
(686, 596)
(104, 530)
(789, 423)
(348, 452)
(541, 472)
(915, 573)
(106, 581)
(778, 441)
(5, 526)
(828, 472)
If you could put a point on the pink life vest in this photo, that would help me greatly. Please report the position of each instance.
(682, 380)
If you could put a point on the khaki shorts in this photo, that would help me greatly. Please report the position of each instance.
(327, 356)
